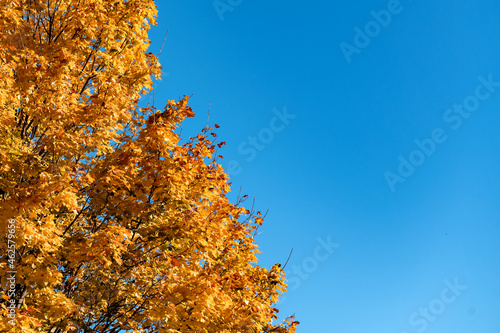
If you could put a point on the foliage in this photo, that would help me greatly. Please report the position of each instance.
(117, 225)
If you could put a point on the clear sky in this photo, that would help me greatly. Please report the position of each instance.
(370, 130)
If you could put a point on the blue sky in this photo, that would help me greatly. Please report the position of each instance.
(379, 164)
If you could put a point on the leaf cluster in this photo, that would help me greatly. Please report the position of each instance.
(118, 225)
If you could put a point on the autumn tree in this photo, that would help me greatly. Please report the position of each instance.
(110, 222)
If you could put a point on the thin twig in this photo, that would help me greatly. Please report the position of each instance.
(239, 194)
(208, 115)
(161, 48)
(288, 259)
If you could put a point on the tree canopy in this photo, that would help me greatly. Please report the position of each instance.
(110, 221)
